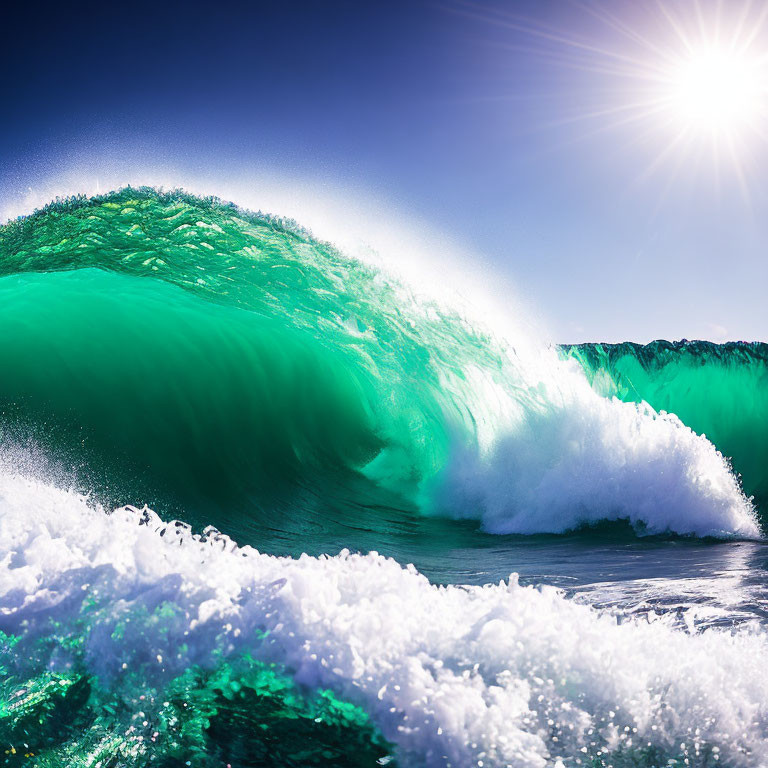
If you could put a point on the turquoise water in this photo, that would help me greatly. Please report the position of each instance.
(226, 369)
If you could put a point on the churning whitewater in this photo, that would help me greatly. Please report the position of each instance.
(495, 675)
(168, 358)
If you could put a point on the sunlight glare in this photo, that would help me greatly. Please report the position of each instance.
(715, 90)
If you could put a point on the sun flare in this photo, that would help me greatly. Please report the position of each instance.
(716, 90)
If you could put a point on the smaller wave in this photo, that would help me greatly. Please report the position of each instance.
(499, 675)
(718, 390)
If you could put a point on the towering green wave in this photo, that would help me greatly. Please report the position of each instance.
(227, 367)
(719, 390)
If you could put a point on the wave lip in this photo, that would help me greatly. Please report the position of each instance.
(452, 676)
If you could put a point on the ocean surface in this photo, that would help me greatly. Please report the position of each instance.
(262, 504)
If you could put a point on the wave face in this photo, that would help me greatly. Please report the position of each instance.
(718, 390)
(127, 641)
(183, 352)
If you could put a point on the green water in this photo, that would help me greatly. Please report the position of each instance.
(211, 402)
(244, 712)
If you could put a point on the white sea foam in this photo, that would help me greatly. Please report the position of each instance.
(498, 675)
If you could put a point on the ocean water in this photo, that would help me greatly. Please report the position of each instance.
(262, 505)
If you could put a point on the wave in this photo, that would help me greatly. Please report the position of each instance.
(718, 390)
(224, 363)
(124, 636)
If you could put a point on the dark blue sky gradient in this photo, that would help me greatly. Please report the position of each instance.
(461, 121)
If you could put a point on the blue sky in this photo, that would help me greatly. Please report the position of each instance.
(472, 118)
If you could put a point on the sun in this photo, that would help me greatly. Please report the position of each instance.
(683, 84)
(714, 91)
(689, 84)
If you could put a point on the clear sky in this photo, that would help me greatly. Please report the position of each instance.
(569, 146)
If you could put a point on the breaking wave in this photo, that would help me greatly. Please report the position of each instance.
(226, 366)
